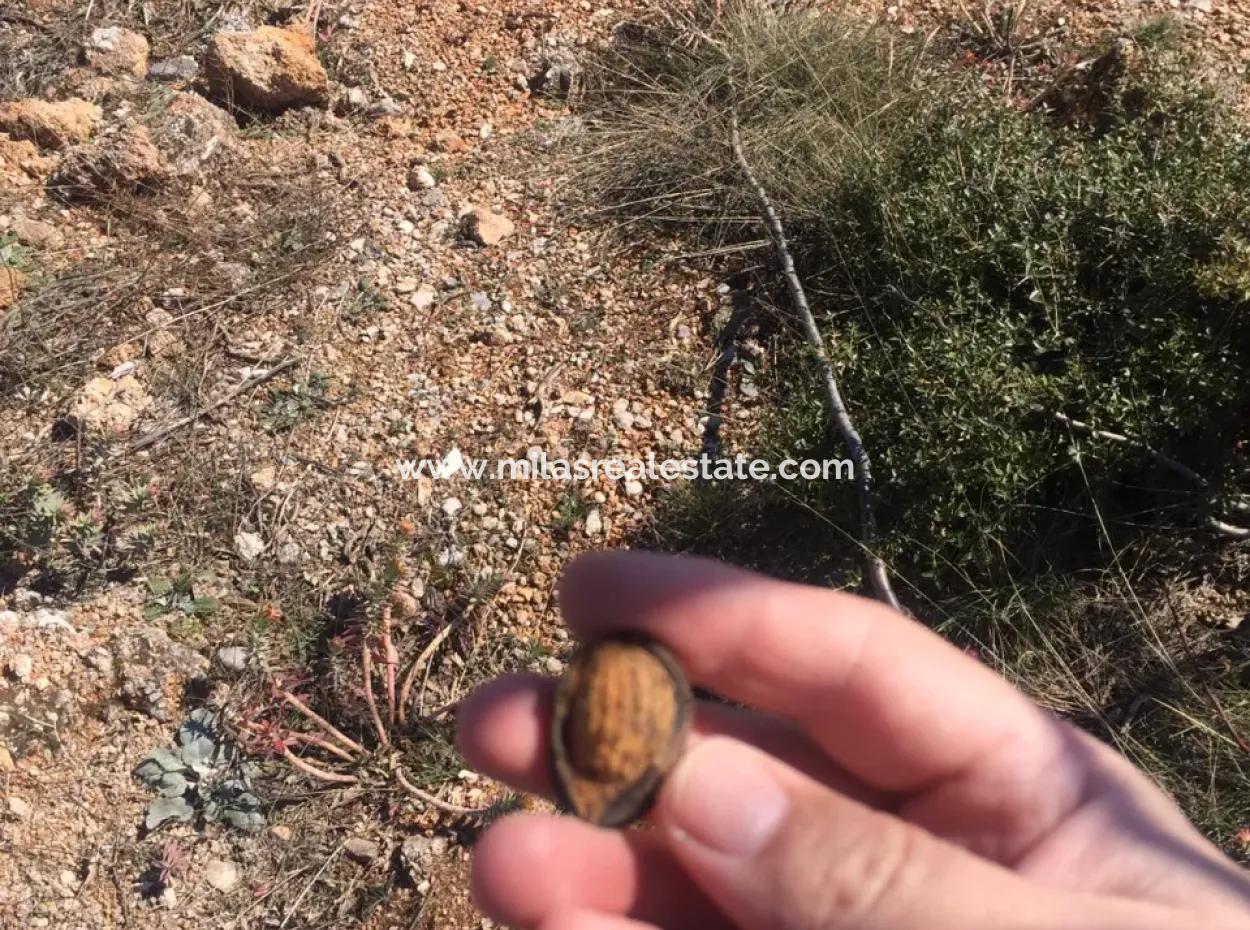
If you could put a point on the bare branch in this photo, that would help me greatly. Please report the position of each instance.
(321, 721)
(405, 691)
(158, 435)
(366, 668)
(322, 774)
(391, 656)
(427, 798)
(877, 575)
(1177, 468)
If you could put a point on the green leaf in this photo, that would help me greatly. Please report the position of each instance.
(200, 607)
(172, 785)
(247, 819)
(155, 765)
(163, 810)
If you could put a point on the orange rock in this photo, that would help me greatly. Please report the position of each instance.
(486, 227)
(126, 161)
(116, 51)
(268, 69)
(50, 125)
(448, 140)
(20, 159)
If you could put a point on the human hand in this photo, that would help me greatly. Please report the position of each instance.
(884, 781)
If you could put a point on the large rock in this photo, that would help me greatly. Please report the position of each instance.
(190, 132)
(36, 233)
(111, 406)
(151, 670)
(126, 162)
(50, 125)
(21, 164)
(115, 51)
(269, 69)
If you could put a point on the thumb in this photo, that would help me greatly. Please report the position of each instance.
(778, 851)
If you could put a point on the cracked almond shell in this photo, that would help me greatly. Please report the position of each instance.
(622, 713)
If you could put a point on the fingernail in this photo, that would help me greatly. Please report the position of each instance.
(723, 796)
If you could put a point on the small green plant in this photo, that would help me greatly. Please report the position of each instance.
(289, 407)
(364, 300)
(572, 507)
(12, 254)
(167, 595)
(202, 779)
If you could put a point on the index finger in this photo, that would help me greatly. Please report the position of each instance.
(890, 701)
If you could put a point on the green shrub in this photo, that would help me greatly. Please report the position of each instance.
(977, 269)
(995, 271)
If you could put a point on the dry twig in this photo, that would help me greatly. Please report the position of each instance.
(877, 575)
(426, 797)
(1177, 468)
(156, 436)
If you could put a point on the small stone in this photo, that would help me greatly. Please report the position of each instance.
(264, 478)
(424, 297)
(233, 658)
(633, 488)
(383, 108)
(19, 808)
(222, 875)
(620, 413)
(178, 68)
(449, 141)
(419, 854)
(362, 850)
(421, 178)
(594, 523)
(404, 604)
(486, 227)
(20, 666)
(249, 546)
(6, 760)
(553, 665)
(281, 832)
(451, 506)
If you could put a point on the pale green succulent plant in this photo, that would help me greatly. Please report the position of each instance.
(202, 779)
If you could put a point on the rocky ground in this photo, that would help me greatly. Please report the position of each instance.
(248, 259)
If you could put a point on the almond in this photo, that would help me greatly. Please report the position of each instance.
(622, 713)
